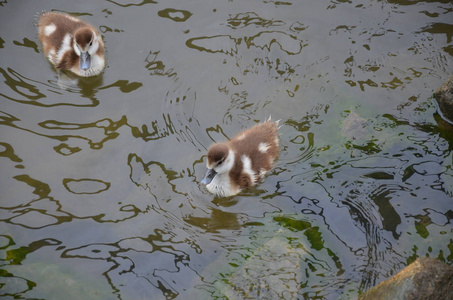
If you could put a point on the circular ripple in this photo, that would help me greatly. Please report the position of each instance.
(85, 185)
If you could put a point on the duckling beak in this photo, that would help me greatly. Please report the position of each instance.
(210, 174)
(85, 61)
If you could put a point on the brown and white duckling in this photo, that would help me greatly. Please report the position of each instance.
(243, 161)
(71, 44)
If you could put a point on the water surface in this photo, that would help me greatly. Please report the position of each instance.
(100, 193)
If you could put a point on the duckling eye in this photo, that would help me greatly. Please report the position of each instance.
(220, 162)
(91, 43)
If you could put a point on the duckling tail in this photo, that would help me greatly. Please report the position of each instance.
(37, 16)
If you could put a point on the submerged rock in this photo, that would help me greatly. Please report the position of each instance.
(444, 98)
(272, 272)
(426, 278)
(354, 127)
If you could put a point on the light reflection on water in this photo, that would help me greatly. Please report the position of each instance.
(100, 179)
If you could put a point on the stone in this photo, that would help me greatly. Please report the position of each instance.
(354, 127)
(444, 98)
(426, 278)
(272, 272)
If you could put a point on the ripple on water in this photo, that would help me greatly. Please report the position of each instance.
(109, 167)
(85, 185)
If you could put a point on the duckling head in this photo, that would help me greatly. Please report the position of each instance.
(86, 43)
(220, 161)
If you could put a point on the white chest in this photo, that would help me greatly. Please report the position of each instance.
(97, 65)
(221, 186)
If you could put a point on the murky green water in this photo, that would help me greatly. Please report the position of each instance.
(100, 194)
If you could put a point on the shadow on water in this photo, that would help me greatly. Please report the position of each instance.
(100, 186)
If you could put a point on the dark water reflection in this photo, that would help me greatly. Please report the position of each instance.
(100, 176)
